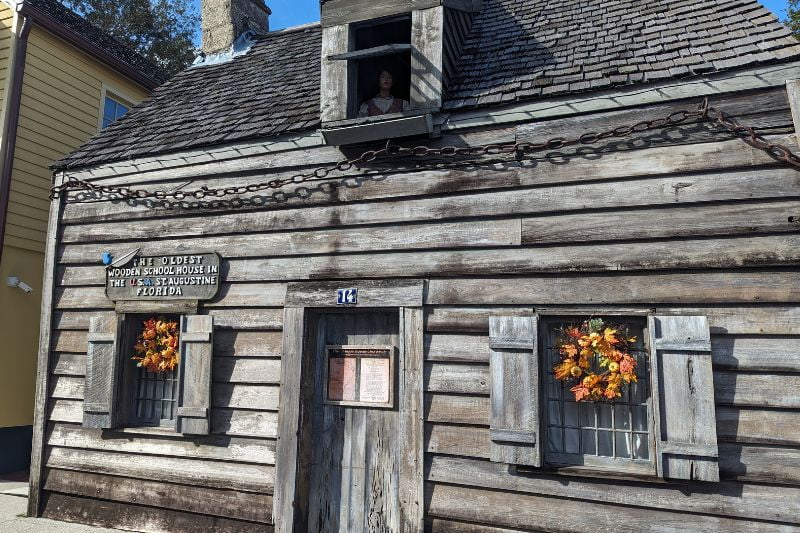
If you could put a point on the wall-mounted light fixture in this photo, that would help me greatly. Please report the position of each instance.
(14, 281)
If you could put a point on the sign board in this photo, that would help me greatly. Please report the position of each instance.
(164, 278)
(346, 296)
(359, 376)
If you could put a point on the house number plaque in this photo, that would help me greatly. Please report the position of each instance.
(164, 278)
(360, 375)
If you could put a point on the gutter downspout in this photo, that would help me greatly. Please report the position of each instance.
(12, 105)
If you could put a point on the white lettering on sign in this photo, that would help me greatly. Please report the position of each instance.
(194, 277)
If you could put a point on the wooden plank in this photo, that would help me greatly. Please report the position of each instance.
(230, 422)
(227, 370)
(247, 319)
(457, 409)
(219, 448)
(733, 320)
(726, 499)
(231, 395)
(545, 194)
(793, 94)
(756, 390)
(427, 62)
(760, 464)
(711, 287)
(201, 500)
(333, 84)
(758, 426)
(288, 419)
(256, 370)
(733, 252)
(457, 348)
(73, 341)
(196, 472)
(371, 293)
(461, 379)
(736, 461)
(742, 105)
(725, 219)
(377, 51)
(411, 428)
(499, 232)
(756, 353)
(513, 510)
(108, 514)
(196, 345)
(231, 295)
(443, 525)
(41, 404)
(341, 11)
(248, 343)
(76, 319)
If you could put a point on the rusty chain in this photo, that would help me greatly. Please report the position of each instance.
(704, 112)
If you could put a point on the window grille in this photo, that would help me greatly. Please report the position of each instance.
(156, 395)
(597, 433)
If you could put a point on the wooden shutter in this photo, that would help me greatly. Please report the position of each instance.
(102, 373)
(514, 418)
(683, 398)
(194, 383)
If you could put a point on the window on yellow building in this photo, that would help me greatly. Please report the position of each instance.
(113, 109)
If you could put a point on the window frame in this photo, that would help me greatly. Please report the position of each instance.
(126, 395)
(118, 96)
(594, 464)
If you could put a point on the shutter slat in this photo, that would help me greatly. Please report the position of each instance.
(683, 393)
(514, 417)
(194, 397)
(102, 373)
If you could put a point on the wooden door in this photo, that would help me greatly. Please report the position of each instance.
(351, 453)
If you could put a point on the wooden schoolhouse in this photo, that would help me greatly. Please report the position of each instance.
(435, 265)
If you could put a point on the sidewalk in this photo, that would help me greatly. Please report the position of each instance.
(14, 505)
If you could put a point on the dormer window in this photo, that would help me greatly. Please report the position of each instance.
(384, 69)
(380, 67)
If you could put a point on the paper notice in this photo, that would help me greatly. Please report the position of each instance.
(342, 379)
(375, 379)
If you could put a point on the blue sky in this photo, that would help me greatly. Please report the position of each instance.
(287, 13)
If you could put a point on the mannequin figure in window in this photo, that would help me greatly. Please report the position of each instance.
(384, 103)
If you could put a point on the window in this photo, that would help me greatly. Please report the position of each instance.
(148, 398)
(665, 426)
(113, 109)
(119, 394)
(380, 48)
(599, 434)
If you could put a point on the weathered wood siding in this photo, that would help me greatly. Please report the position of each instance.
(685, 220)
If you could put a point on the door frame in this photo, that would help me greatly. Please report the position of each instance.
(304, 298)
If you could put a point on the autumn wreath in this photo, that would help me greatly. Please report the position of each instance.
(157, 345)
(596, 357)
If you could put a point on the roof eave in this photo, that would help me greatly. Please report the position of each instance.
(53, 26)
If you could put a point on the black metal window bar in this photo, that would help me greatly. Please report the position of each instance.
(156, 394)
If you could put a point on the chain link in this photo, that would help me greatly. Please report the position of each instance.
(704, 112)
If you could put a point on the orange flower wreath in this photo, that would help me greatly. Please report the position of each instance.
(157, 345)
(580, 347)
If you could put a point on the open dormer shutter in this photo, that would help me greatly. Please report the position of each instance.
(194, 397)
(514, 418)
(102, 373)
(683, 396)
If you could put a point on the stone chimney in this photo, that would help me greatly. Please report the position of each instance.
(225, 20)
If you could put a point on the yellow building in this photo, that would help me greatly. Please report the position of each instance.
(61, 80)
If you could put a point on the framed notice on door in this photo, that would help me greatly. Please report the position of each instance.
(359, 375)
